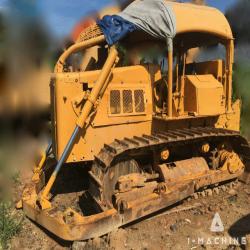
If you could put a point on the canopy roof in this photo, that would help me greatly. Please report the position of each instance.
(163, 19)
(197, 18)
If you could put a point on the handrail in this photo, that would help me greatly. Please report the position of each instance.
(75, 48)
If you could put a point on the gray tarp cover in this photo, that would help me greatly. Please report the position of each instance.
(156, 17)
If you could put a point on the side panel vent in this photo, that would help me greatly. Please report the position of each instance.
(139, 101)
(115, 102)
(127, 102)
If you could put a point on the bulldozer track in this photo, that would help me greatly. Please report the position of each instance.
(109, 153)
(123, 149)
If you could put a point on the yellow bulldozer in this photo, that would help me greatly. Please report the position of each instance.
(141, 128)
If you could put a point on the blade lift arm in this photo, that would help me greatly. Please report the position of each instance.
(96, 93)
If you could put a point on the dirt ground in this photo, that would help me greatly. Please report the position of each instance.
(186, 226)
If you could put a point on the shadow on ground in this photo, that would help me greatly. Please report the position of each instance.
(240, 228)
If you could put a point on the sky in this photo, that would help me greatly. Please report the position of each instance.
(221, 4)
(60, 16)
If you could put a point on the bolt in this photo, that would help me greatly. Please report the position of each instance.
(165, 154)
(205, 148)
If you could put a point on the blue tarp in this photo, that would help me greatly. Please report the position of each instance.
(115, 28)
(155, 17)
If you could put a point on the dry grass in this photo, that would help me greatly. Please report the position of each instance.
(10, 224)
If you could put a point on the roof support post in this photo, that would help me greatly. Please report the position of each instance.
(170, 76)
(230, 61)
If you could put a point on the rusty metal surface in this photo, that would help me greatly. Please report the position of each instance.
(216, 177)
(183, 170)
(141, 200)
(137, 193)
(130, 181)
(70, 225)
(123, 149)
(81, 228)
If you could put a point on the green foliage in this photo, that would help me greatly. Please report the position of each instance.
(10, 225)
(16, 177)
(241, 90)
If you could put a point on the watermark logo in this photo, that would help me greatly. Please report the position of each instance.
(218, 239)
(217, 225)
